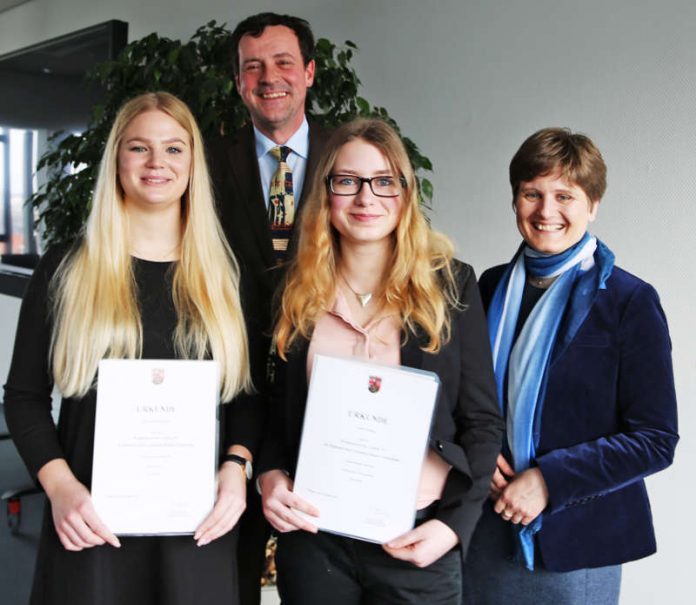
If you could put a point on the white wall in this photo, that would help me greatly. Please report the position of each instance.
(468, 80)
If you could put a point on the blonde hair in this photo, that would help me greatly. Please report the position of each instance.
(420, 283)
(94, 291)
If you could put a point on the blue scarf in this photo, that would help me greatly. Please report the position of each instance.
(581, 271)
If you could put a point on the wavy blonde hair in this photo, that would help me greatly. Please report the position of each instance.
(420, 283)
(94, 291)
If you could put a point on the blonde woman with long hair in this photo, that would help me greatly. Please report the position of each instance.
(151, 277)
(372, 280)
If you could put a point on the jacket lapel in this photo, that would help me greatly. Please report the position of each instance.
(244, 169)
(317, 140)
(245, 173)
(582, 298)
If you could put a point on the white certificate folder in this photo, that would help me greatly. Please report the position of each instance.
(155, 445)
(364, 438)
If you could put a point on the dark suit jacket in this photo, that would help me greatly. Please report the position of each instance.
(242, 209)
(467, 427)
(609, 418)
(234, 172)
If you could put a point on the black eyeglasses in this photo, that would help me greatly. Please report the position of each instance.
(351, 184)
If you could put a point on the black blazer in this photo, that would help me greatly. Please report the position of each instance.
(467, 427)
(242, 210)
(234, 172)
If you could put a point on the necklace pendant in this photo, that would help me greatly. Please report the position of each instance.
(364, 299)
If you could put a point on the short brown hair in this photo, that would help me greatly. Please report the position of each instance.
(574, 155)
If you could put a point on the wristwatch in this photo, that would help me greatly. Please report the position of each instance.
(247, 469)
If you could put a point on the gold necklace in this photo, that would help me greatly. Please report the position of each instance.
(363, 299)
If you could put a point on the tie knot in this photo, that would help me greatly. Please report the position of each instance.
(280, 153)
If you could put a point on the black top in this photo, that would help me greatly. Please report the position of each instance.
(29, 383)
(530, 297)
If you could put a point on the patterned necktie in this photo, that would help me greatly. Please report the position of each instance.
(281, 204)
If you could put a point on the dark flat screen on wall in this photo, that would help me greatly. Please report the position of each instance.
(43, 85)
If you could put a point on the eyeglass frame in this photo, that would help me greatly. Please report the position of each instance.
(363, 180)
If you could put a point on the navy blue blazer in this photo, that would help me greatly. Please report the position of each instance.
(467, 426)
(609, 419)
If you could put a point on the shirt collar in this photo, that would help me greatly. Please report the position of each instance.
(298, 142)
(341, 309)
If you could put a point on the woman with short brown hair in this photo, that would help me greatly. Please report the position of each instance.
(583, 367)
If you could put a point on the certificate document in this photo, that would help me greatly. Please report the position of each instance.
(155, 445)
(364, 439)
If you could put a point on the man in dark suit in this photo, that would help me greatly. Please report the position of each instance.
(273, 69)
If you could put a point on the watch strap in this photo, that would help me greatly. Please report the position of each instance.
(241, 461)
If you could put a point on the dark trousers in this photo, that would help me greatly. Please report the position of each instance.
(254, 532)
(316, 569)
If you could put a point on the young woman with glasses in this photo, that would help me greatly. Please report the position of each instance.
(371, 280)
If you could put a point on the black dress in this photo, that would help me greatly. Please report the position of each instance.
(169, 570)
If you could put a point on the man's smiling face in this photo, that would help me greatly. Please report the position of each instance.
(273, 81)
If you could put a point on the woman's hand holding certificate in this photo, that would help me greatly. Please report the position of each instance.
(424, 544)
(229, 505)
(77, 524)
(363, 440)
(280, 503)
